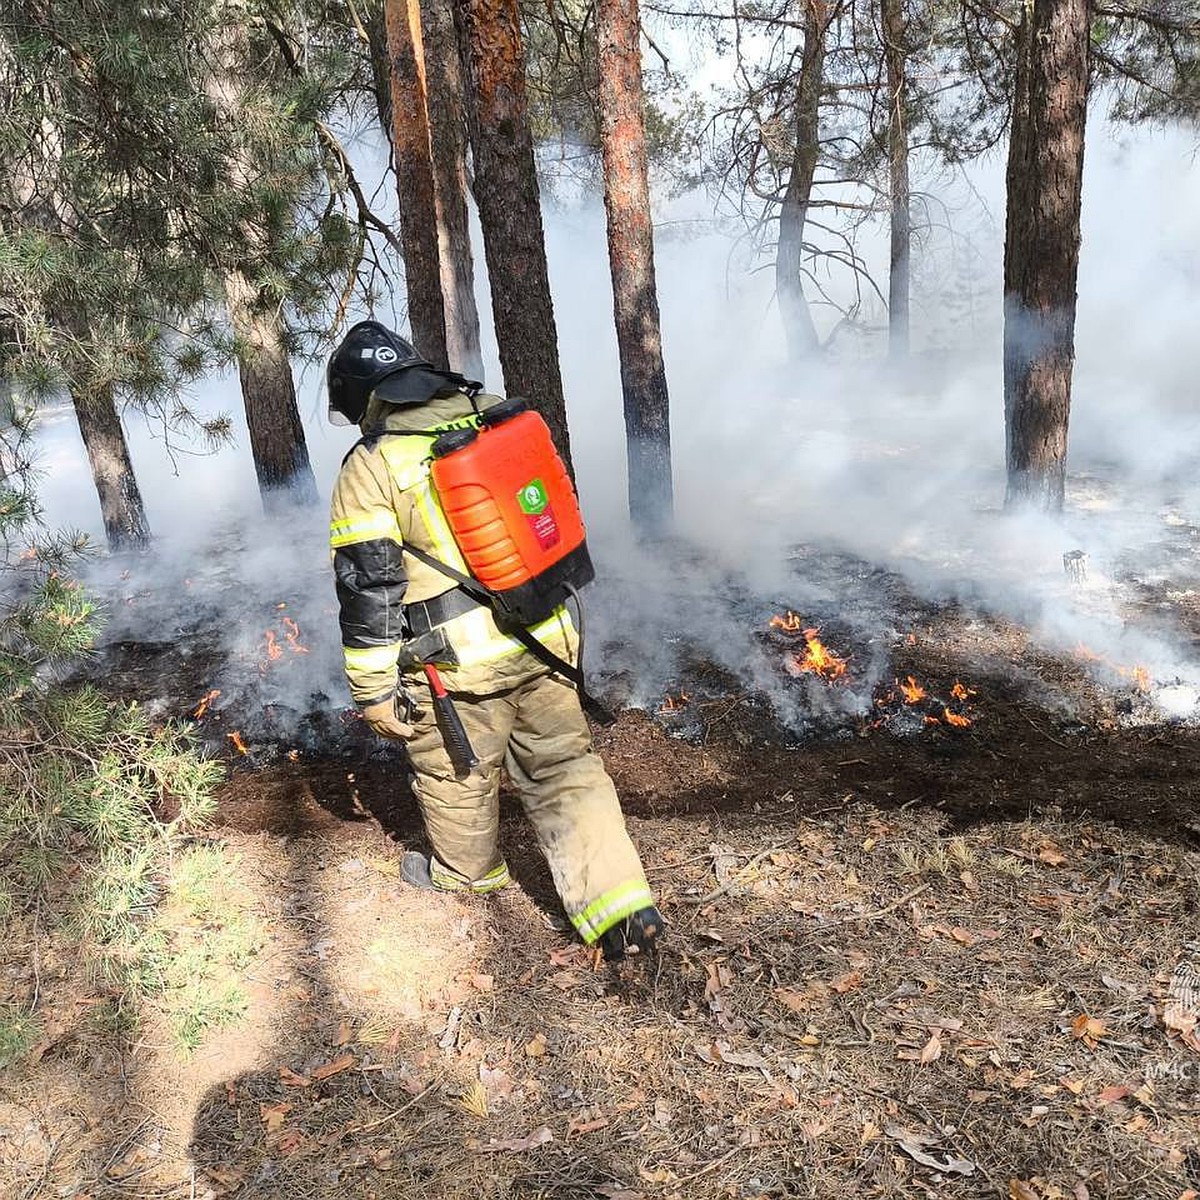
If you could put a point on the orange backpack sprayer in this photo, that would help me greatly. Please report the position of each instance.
(512, 510)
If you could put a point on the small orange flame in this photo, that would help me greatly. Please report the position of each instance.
(790, 623)
(1138, 676)
(1086, 653)
(274, 650)
(959, 692)
(205, 701)
(818, 659)
(675, 703)
(912, 690)
(293, 637)
(236, 738)
(956, 719)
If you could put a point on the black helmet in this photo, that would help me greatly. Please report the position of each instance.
(370, 359)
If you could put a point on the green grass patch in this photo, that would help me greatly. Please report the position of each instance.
(18, 1032)
(210, 935)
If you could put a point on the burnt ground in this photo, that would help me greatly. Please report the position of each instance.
(906, 957)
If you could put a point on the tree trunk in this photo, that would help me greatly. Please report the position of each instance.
(277, 442)
(1041, 252)
(414, 179)
(896, 58)
(631, 258)
(798, 325)
(125, 523)
(448, 139)
(506, 192)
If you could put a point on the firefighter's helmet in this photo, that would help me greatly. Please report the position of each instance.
(374, 359)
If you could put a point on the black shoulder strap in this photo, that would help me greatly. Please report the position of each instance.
(485, 596)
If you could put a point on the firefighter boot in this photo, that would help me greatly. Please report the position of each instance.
(637, 933)
(414, 870)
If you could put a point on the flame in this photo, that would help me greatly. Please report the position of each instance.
(293, 637)
(274, 650)
(1086, 653)
(912, 690)
(238, 744)
(673, 703)
(205, 701)
(818, 659)
(956, 719)
(1138, 676)
(790, 623)
(960, 692)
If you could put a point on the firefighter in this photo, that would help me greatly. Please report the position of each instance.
(398, 612)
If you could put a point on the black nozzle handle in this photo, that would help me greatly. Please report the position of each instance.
(454, 734)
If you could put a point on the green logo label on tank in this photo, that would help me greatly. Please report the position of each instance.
(532, 497)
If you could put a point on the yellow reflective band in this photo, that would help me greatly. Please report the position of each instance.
(477, 640)
(430, 508)
(371, 658)
(365, 528)
(446, 880)
(615, 905)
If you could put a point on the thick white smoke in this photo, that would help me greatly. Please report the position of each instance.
(899, 469)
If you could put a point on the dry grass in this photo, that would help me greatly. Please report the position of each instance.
(869, 1006)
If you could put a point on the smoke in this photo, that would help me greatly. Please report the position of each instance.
(845, 490)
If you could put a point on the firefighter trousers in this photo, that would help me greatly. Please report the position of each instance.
(537, 732)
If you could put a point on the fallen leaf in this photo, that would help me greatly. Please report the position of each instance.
(539, 1137)
(1089, 1030)
(612, 1191)
(932, 1050)
(342, 1063)
(949, 1165)
(1049, 853)
(847, 983)
(722, 1052)
(963, 936)
(577, 1127)
(345, 1033)
(290, 1142)
(1074, 1086)
(663, 1112)
(497, 1082)
(290, 1078)
(1018, 1189)
(1110, 1095)
(536, 1047)
(273, 1115)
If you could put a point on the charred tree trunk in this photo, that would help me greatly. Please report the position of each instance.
(414, 179)
(896, 58)
(125, 523)
(798, 325)
(506, 192)
(448, 139)
(631, 259)
(277, 442)
(1041, 250)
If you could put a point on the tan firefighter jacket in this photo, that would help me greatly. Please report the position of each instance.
(384, 499)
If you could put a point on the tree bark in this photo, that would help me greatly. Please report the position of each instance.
(896, 59)
(1041, 251)
(798, 327)
(121, 506)
(414, 179)
(448, 140)
(506, 192)
(631, 259)
(277, 442)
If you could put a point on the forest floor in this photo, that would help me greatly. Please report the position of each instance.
(961, 962)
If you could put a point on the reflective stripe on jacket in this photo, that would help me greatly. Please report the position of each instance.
(383, 499)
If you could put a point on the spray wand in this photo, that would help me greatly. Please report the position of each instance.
(454, 734)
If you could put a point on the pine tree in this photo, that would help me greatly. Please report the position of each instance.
(631, 257)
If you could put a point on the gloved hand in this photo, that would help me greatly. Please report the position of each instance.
(384, 719)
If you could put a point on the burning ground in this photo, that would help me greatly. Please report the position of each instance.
(931, 880)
